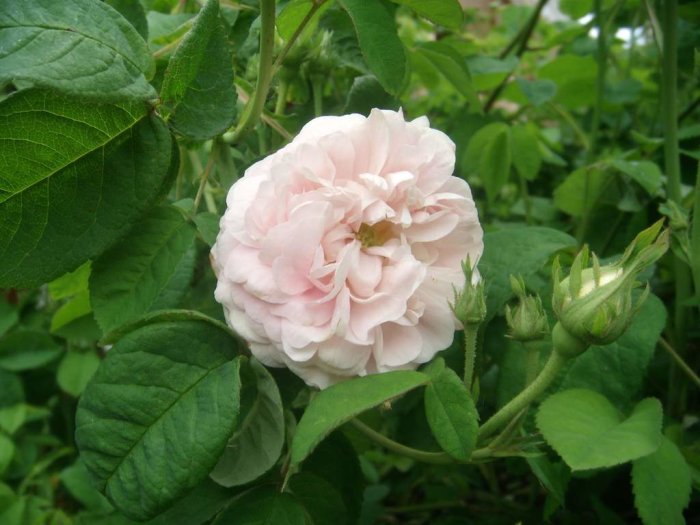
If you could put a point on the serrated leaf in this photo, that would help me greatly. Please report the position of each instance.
(158, 413)
(27, 349)
(489, 156)
(338, 404)
(198, 82)
(263, 506)
(148, 270)
(79, 47)
(76, 176)
(447, 13)
(257, 443)
(662, 485)
(379, 42)
(589, 433)
(451, 413)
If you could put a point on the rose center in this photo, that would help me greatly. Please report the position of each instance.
(375, 234)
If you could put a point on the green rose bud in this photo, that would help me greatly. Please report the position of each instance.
(527, 321)
(469, 306)
(594, 304)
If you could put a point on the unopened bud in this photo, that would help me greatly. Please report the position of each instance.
(527, 321)
(594, 304)
(469, 305)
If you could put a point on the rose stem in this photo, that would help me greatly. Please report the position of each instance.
(436, 458)
(470, 334)
(530, 393)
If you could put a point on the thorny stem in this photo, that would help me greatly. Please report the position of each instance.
(470, 335)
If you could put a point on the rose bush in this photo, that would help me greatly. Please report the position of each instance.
(337, 254)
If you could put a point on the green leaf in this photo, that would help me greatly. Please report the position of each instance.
(71, 283)
(488, 155)
(13, 417)
(199, 505)
(451, 413)
(338, 404)
(537, 92)
(75, 371)
(11, 388)
(263, 506)
(582, 189)
(79, 176)
(379, 42)
(526, 153)
(157, 415)
(618, 370)
(76, 480)
(198, 83)
(78, 307)
(257, 443)
(336, 461)
(452, 66)
(7, 452)
(208, 226)
(148, 270)
(588, 432)
(9, 316)
(134, 12)
(447, 13)
(367, 93)
(575, 78)
(488, 72)
(322, 501)
(645, 173)
(661, 483)
(27, 349)
(79, 47)
(517, 251)
(553, 476)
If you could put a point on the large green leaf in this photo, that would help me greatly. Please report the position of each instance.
(526, 154)
(662, 487)
(488, 155)
(617, 370)
(157, 415)
(582, 189)
(148, 270)
(263, 506)
(518, 251)
(74, 177)
(198, 506)
(588, 432)
(198, 83)
(338, 404)
(379, 42)
(80, 47)
(450, 411)
(444, 12)
(134, 12)
(257, 443)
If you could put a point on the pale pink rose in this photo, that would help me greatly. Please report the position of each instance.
(337, 254)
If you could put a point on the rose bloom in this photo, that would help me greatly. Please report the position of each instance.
(338, 254)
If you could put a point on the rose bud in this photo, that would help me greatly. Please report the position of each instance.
(527, 321)
(594, 305)
(469, 304)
